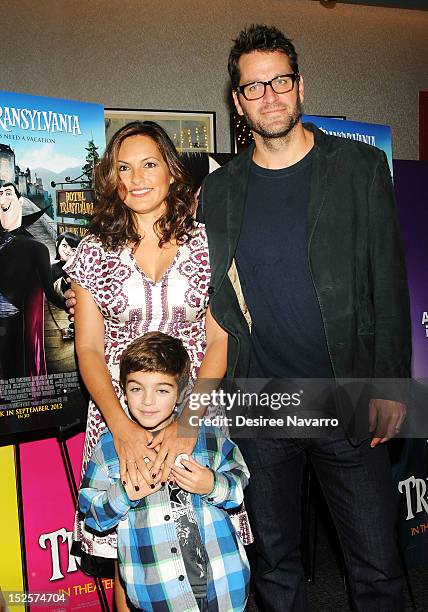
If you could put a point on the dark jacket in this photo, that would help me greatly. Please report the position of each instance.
(354, 252)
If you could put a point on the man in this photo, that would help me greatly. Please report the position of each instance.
(25, 274)
(305, 252)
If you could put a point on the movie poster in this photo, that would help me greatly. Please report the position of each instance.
(47, 526)
(47, 151)
(373, 134)
(11, 566)
(411, 469)
(48, 148)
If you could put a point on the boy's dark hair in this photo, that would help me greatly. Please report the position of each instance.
(259, 38)
(156, 352)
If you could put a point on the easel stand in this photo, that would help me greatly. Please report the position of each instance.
(62, 437)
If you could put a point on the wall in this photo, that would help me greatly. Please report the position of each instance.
(363, 62)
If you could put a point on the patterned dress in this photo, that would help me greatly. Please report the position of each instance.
(133, 304)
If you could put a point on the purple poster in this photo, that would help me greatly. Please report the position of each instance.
(411, 188)
(411, 470)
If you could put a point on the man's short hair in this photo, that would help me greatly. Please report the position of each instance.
(156, 352)
(259, 38)
(18, 195)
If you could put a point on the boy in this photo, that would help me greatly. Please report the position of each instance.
(177, 549)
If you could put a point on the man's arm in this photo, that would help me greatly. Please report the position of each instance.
(390, 290)
(391, 309)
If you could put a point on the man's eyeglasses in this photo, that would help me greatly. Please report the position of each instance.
(280, 84)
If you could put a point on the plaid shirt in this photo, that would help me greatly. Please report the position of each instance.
(150, 559)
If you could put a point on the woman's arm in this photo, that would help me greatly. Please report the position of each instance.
(180, 437)
(130, 439)
(214, 363)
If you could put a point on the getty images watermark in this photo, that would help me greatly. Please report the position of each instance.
(228, 408)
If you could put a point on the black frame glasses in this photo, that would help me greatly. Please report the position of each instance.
(294, 76)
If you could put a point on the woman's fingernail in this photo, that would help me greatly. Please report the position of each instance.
(152, 486)
(163, 484)
(123, 482)
(137, 488)
(153, 475)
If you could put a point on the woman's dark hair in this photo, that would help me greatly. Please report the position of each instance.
(259, 38)
(70, 238)
(197, 165)
(113, 222)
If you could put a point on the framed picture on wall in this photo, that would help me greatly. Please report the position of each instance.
(240, 134)
(188, 130)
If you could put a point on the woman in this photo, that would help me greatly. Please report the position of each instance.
(144, 267)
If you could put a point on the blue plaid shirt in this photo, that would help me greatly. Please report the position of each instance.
(150, 559)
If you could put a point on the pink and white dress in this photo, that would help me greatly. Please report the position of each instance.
(133, 304)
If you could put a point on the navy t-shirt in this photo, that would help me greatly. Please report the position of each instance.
(288, 338)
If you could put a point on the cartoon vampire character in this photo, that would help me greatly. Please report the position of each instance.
(25, 275)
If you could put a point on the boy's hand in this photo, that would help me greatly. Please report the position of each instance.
(142, 489)
(193, 477)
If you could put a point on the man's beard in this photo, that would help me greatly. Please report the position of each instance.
(282, 131)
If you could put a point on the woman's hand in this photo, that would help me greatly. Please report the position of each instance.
(130, 441)
(142, 489)
(174, 440)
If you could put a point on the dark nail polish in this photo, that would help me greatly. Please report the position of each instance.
(153, 475)
(152, 486)
(137, 488)
(123, 482)
(163, 484)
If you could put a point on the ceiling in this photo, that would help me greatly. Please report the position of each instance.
(421, 5)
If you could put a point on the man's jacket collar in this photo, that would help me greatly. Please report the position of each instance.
(322, 171)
